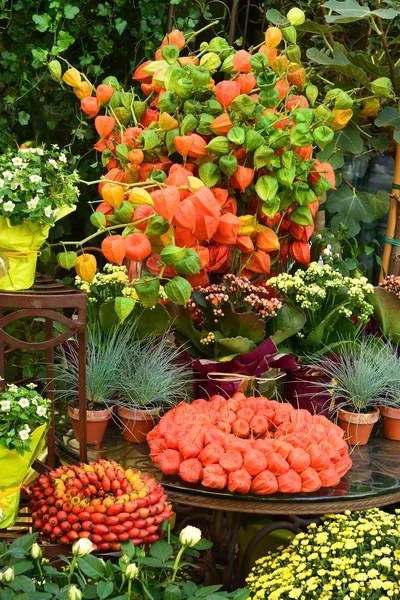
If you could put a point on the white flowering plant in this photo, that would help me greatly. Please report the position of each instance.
(36, 183)
(22, 410)
(349, 556)
(336, 307)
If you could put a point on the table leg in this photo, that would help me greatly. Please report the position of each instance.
(51, 438)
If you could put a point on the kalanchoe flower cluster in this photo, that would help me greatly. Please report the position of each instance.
(37, 184)
(22, 410)
(241, 293)
(392, 284)
(354, 555)
(325, 296)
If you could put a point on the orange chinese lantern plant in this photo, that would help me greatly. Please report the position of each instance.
(143, 211)
(244, 244)
(183, 143)
(267, 241)
(282, 88)
(114, 249)
(205, 203)
(247, 82)
(184, 238)
(166, 202)
(297, 76)
(104, 125)
(86, 266)
(138, 246)
(206, 226)
(273, 37)
(150, 116)
(305, 152)
(113, 194)
(241, 61)
(136, 156)
(226, 92)
(324, 170)
(271, 54)
(260, 263)
(140, 74)
(297, 102)
(242, 178)
(83, 91)
(198, 146)
(103, 93)
(185, 215)
(300, 232)
(300, 252)
(221, 124)
(90, 106)
(174, 38)
(228, 226)
(146, 88)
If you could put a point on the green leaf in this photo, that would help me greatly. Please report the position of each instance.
(248, 325)
(39, 56)
(317, 29)
(203, 592)
(23, 117)
(22, 583)
(338, 62)
(275, 17)
(107, 315)
(64, 41)
(380, 142)
(91, 566)
(228, 348)
(178, 290)
(104, 589)
(350, 10)
(128, 548)
(172, 592)
(354, 208)
(387, 311)
(161, 550)
(21, 566)
(120, 25)
(349, 140)
(289, 320)
(70, 11)
(150, 140)
(150, 561)
(389, 117)
(124, 306)
(203, 544)
(42, 21)
(190, 264)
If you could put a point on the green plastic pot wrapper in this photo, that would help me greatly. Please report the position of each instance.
(20, 244)
(14, 470)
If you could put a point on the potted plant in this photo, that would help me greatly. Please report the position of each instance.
(104, 352)
(113, 300)
(230, 331)
(37, 188)
(329, 551)
(24, 420)
(358, 378)
(151, 377)
(335, 308)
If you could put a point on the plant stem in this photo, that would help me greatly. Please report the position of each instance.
(330, 36)
(71, 569)
(200, 31)
(129, 589)
(347, 182)
(379, 30)
(176, 564)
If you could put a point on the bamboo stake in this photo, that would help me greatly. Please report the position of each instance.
(392, 220)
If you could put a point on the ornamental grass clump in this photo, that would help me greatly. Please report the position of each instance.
(354, 555)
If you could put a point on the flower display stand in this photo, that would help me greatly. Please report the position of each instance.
(48, 299)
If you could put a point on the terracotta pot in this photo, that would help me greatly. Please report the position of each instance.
(357, 426)
(391, 422)
(137, 423)
(96, 424)
(302, 392)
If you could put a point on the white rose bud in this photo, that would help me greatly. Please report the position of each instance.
(8, 575)
(82, 547)
(190, 536)
(296, 16)
(74, 593)
(131, 571)
(36, 552)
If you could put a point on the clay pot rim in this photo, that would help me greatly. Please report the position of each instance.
(91, 415)
(390, 412)
(358, 418)
(138, 414)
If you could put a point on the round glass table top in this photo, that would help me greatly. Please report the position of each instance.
(375, 471)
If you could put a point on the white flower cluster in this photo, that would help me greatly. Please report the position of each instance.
(321, 286)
